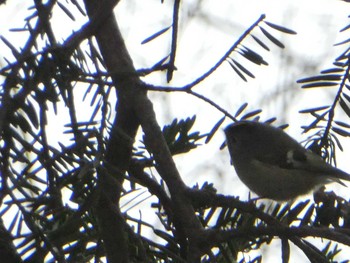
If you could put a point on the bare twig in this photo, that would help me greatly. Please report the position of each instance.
(175, 25)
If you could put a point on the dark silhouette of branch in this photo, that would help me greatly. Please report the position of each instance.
(118, 151)
(134, 108)
(175, 29)
(211, 237)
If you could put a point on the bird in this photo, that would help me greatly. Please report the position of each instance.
(274, 165)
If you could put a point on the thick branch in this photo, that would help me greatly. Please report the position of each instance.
(185, 220)
(133, 108)
(124, 129)
(7, 249)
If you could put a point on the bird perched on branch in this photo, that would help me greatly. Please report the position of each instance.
(274, 165)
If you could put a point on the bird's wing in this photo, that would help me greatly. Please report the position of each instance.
(307, 160)
(301, 159)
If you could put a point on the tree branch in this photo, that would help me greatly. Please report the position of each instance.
(119, 146)
(133, 108)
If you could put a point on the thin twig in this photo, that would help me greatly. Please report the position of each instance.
(225, 56)
(173, 39)
(193, 93)
(324, 140)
